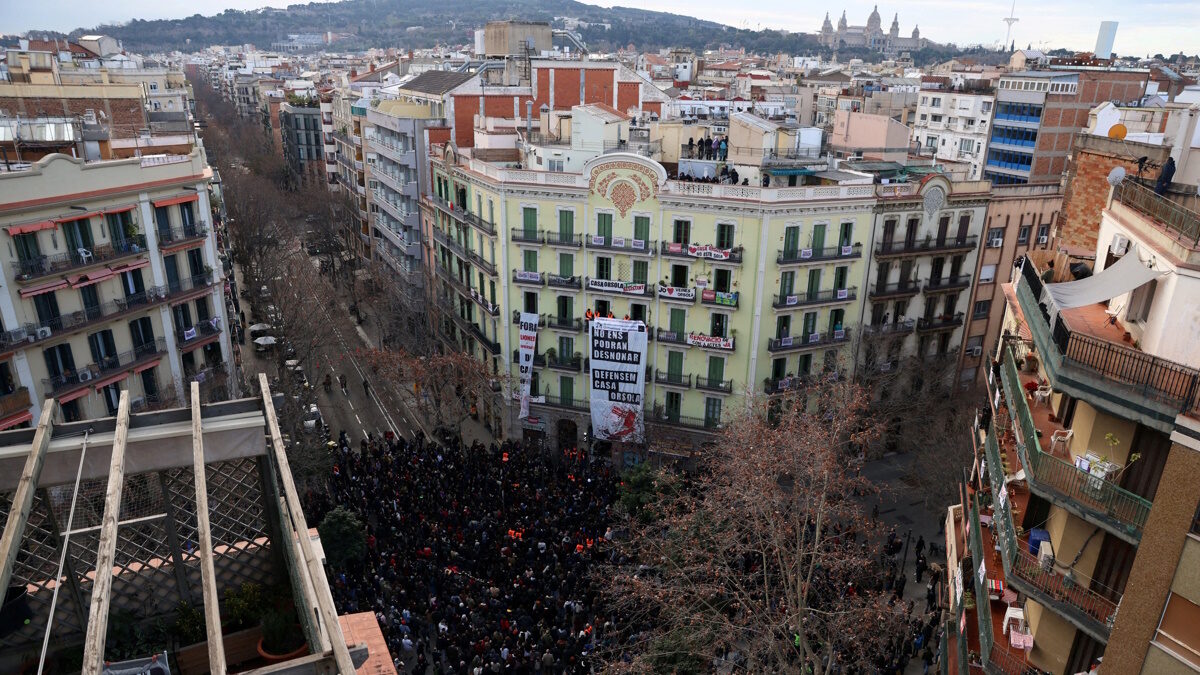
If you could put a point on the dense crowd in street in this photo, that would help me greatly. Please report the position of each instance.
(477, 557)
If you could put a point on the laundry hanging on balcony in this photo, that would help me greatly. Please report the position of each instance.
(1121, 277)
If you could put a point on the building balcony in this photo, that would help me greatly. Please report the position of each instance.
(896, 289)
(516, 319)
(33, 269)
(833, 295)
(34, 333)
(539, 360)
(565, 323)
(681, 380)
(491, 308)
(719, 386)
(527, 237)
(1056, 478)
(627, 245)
(803, 256)
(482, 263)
(1181, 222)
(572, 363)
(682, 294)
(705, 251)
(671, 337)
(559, 401)
(719, 298)
(95, 374)
(812, 341)
(556, 281)
(565, 240)
(1086, 603)
(902, 327)
(1084, 355)
(947, 284)
(172, 236)
(488, 343)
(637, 147)
(929, 245)
(528, 278)
(939, 323)
(14, 403)
(202, 333)
(674, 418)
(779, 385)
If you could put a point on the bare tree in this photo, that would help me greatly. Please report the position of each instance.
(763, 552)
(442, 387)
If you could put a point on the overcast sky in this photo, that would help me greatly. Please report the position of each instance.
(1146, 27)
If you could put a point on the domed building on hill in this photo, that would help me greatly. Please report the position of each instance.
(870, 36)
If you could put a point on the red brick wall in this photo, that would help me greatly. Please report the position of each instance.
(566, 88)
(125, 115)
(598, 86)
(542, 94)
(1087, 193)
(500, 106)
(465, 108)
(627, 96)
(652, 106)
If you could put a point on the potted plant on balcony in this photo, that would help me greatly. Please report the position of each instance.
(282, 639)
(551, 355)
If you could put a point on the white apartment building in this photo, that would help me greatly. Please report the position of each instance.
(954, 125)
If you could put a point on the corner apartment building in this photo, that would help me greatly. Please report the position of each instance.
(1038, 113)
(1020, 219)
(954, 125)
(1078, 528)
(112, 283)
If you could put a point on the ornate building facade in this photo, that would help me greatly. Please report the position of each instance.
(870, 36)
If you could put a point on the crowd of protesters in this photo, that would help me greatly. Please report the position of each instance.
(477, 557)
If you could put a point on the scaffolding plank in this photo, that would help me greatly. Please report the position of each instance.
(212, 607)
(18, 515)
(299, 529)
(106, 550)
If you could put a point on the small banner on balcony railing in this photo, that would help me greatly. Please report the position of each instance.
(618, 362)
(527, 342)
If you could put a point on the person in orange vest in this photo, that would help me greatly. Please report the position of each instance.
(626, 317)
(610, 314)
(588, 315)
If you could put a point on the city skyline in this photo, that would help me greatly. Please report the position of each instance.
(1145, 29)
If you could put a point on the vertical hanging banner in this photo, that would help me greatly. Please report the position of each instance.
(618, 362)
(526, 344)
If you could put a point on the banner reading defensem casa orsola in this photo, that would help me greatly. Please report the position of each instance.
(527, 342)
(618, 361)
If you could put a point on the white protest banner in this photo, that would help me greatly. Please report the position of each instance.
(527, 343)
(618, 361)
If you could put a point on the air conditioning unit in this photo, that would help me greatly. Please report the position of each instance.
(1046, 555)
(975, 351)
(1119, 245)
(85, 376)
(43, 332)
(995, 243)
(1044, 239)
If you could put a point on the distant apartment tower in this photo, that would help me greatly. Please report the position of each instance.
(1038, 113)
(303, 140)
(1105, 38)
(954, 124)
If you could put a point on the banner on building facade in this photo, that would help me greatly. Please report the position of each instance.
(526, 344)
(618, 362)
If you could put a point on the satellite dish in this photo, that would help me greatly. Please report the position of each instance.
(1118, 131)
(1116, 176)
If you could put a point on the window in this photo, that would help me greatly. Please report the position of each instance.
(966, 145)
(712, 412)
(603, 267)
(530, 260)
(529, 222)
(604, 226)
(974, 342)
(985, 106)
(681, 232)
(1043, 231)
(637, 312)
(935, 118)
(641, 228)
(923, 117)
(722, 280)
(936, 102)
(931, 141)
(995, 234)
(566, 225)
(1177, 629)
(1140, 301)
(641, 270)
(555, 165)
(720, 325)
(530, 302)
(1023, 234)
(566, 265)
(724, 235)
(982, 309)
(987, 274)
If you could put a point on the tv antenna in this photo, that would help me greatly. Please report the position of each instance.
(1010, 20)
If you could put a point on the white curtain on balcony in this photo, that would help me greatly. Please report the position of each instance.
(1122, 277)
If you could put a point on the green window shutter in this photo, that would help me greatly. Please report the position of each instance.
(724, 235)
(566, 389)
(791, 241)
(675, 363)
(640, 270)
(530, 261)
(566, 265)
(716, 369)
(641, 228)
(566, 225)
(530, 222)
(787, 283)
(814, 282)
(818, 241)
(604, 226)
(677, 321)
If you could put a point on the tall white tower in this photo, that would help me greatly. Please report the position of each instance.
(1104, 39)
(1010, 20)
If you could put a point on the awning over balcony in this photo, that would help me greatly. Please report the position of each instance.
(16, 419)
(1122, 277)
(44, 288)
(77, 216)
(14, 230)
(137, 264)
(119, 209)
(89, 278)
(176, 200)
(109, 380)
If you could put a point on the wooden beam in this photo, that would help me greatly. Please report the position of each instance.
(22, 504)
(106, 550)
(212, 607)
(299, 528)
